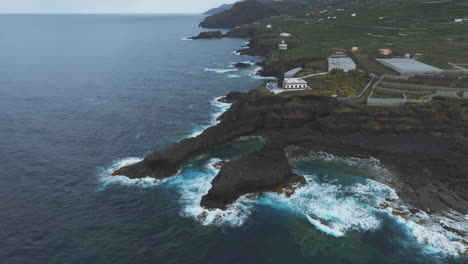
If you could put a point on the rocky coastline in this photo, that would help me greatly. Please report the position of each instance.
(426, 147)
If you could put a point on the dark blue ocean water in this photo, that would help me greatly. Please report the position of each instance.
(82, 95)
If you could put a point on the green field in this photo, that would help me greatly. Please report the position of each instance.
(410, 26)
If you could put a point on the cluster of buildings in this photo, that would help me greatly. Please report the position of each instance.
(405, 66)
(389, 52)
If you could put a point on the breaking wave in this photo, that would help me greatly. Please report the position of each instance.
(193, 185)
(429, 229)
(107, 179)
(231, 76)
(218, 109)
(219, 70)
(254, 74)
(336, 209)
(330, 206)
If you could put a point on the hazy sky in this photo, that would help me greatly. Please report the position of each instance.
(108, 6)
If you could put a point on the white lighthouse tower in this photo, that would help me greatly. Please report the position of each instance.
(282, 47)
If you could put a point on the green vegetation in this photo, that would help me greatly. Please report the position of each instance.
(411, 26)
(340, 83)
(373, 66)
(308, 72)
(455, 81)
(261, 89)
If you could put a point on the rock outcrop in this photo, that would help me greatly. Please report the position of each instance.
(242, 65)
(209, 35)
(427, 146)
(265, 170)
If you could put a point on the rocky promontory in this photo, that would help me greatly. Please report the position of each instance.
(426, 146)
(265, 170)
(209, 35)
(242, 65)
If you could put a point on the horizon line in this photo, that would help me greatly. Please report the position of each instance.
(106, 13)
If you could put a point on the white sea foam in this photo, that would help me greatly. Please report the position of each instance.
(218, 109)
(232, 76)
(428, 229)
(328, 206)
(186, 39)
(251, 63)
(192, 190)
(219, 70)
(107, 179)
(254, 74)
(336, 209)
(236, 52)
(324, 228)
(436, 237)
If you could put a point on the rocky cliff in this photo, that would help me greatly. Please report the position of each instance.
(427, 146)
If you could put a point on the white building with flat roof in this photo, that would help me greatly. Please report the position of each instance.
(409, 66)
(294, 83)
(345, 64)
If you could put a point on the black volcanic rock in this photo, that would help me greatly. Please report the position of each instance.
(209, 35)
(242, 65)
(427, 146)
(242, 32)
(240, 14)
(255, 172)
(244, 118)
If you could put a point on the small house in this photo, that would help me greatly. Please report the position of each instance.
(355, 49)
(269, 26)
(294, 83)
(284, 34)
(385, 52)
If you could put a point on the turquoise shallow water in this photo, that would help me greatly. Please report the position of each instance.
(81, 95)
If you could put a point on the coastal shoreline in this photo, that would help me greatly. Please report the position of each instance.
(429, 192)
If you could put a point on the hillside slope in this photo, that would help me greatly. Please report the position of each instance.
(240, 14)
(219, 9)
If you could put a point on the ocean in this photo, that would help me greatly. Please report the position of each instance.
(82, 95)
